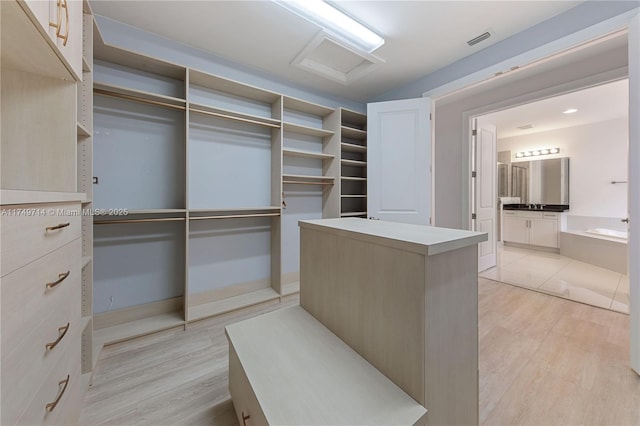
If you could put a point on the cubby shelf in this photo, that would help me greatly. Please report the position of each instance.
(354, 163)
(351, 147)
(306, 130)
(135, 95)
(307, 180)
(351, 133)
(306, 154)
(353, 179)
(306, 107)
(353, 196)
(353, 214)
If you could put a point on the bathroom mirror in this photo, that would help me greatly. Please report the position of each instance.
(541, 181)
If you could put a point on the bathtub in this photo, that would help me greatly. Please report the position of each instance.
(600, 241)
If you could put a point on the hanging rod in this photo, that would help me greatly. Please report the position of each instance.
(306, 182)
(232, 117)
(137, 99)
(234, 216)
(613, 182)
(162, 219)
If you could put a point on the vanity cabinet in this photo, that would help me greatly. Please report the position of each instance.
(536, 228)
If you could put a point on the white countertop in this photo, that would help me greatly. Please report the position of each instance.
(427, 240)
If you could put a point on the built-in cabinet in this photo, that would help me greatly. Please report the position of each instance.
(531, 227)
(46, 235)
(198, 181)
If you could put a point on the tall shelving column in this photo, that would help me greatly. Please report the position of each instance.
(353, 162)
(85, 184)
(234, 157)
(140, 191)
(310, 176)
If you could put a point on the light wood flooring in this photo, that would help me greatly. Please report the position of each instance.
(543, 361)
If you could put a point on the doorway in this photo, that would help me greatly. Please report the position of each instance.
(562, 195)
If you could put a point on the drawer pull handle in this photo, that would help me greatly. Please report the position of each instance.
(62, 331)
(52, 405)
(59, 226)
(245, 418)
(61, 277)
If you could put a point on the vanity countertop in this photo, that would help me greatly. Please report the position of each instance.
(558, 208)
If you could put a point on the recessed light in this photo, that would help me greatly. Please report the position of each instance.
(570, 111)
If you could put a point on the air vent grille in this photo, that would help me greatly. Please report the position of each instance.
(478, 39)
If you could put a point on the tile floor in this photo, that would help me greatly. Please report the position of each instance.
(561, 276)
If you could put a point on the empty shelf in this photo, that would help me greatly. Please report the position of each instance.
(232, 115)
(129, 330)
(352, 147)
(306, 154)
(351, 133)
(138, 95)
(354, 196)
(354, 178)
(218, 307)
(306, 130)
(354, 163)
(352, 214)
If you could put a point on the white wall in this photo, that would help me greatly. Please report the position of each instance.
(598, 155)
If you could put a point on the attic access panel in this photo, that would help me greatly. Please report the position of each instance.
(330, 58)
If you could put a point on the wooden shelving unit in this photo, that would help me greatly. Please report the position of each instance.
(353, 176)
(228, 225)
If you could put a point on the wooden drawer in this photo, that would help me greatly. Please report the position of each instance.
(32, 316)
(68, 407)
(28, 232)
(245, 402)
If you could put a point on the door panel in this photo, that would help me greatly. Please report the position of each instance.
(486, 198)
(399, 160)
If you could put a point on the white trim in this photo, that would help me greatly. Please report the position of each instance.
(559, 46)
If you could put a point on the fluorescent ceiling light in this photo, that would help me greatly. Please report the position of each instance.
(570, 111)
(335, 22)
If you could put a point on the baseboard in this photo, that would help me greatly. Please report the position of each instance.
(134, 313)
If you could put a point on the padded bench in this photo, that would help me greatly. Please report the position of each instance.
(286, 368)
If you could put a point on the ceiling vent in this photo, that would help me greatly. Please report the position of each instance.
(328, 57)
(478, 39)
(526, 127)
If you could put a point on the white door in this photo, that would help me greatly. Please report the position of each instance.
(485, 193)
(634, 190)
(399, 161)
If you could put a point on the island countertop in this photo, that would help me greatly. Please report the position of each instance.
(427, 240)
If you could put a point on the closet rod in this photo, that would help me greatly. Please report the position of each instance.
(137, 99)
(234, 216)
(161, 219)
(231, 117)
(306, 182)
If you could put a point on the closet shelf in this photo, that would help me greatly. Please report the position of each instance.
(234, 216)
(232, 115)
(353, 196)
(353, 119)
(306, 154)
(351, 133)
(218, 307)
(306, 130)
(352, 147)
(354, 178)
(307, 180)
(352, 214)
(354, 163)
(237, 210)
(306, 107)
(136, 95)
(231, 87)
(82, 131)
(129, 330)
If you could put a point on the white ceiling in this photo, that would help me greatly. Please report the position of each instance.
(596, 104)
(421, 36)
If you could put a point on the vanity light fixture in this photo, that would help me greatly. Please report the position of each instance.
(569, 111)
(537, 152)
(335, 22)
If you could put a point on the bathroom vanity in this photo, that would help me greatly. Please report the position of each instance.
(536, 227)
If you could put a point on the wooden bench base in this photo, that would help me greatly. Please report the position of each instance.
(285, 367)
